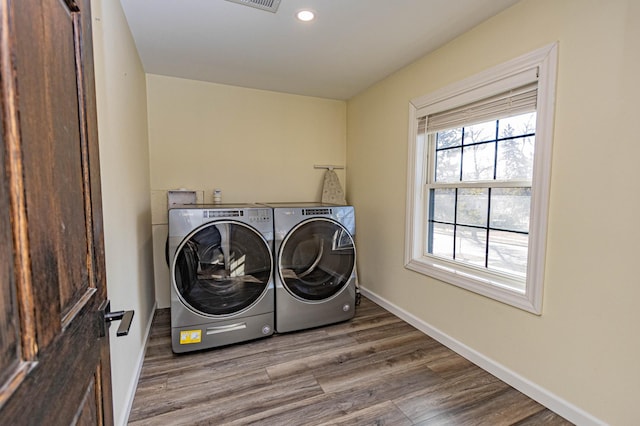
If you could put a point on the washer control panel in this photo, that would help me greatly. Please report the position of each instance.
(222, 213)
(259, 215)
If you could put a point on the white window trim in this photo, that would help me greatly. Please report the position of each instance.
(492, 81)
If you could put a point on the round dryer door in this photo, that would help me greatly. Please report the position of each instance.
(317, 259)
(222, 268)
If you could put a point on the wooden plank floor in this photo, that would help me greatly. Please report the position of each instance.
(373, 370)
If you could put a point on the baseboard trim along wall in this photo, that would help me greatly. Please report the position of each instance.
(140, 361)
(532, 390)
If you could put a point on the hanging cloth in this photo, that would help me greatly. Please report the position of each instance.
(331, 189)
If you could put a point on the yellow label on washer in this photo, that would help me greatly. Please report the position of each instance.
(190, 336)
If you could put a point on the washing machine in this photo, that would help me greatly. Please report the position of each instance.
(315, 255)
(221, 263)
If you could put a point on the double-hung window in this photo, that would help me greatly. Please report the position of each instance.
(479, 170)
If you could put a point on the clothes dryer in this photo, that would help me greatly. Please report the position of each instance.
(315, 256)
(221, 263)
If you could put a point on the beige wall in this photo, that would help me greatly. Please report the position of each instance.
(584, 348)
(124, 161)
(254, 145)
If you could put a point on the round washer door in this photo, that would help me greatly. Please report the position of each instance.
(222, 268)
(316, 259)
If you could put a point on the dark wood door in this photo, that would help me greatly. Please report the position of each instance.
(54, 356)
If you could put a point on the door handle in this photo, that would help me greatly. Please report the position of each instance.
(125, 318)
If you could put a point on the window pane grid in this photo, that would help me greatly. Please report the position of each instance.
(455, 220)
(507, 138)
(479, 194)
(496, 141)
(456, 227)
(487, 228)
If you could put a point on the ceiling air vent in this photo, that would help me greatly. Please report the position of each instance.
(268, 5)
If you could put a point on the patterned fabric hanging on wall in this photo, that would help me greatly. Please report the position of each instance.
(332, 190)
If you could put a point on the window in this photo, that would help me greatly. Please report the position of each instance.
(478, 180)
(479, 193)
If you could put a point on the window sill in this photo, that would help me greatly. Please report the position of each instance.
(502, 288)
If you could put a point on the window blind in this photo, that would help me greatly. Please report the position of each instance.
(513, 102)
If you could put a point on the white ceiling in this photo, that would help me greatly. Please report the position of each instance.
(350, 46)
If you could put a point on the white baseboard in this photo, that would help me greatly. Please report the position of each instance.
(548, 399)
(133, 386)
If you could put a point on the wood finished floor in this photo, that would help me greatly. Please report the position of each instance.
(373, 370)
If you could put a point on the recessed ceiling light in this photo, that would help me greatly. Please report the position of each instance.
(306, 15)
